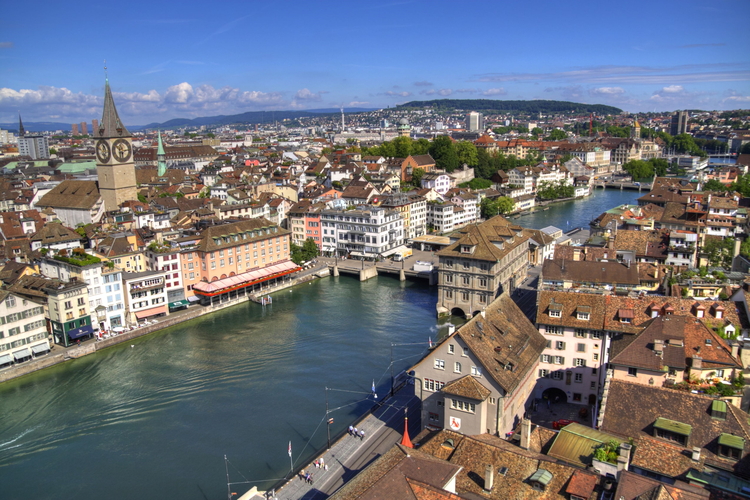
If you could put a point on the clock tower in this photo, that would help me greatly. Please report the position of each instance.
(115, 166)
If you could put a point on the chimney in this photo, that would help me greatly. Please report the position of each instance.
(697, 363)
(489, 478)
(696, 456)
(656, 273)
(735, 345)
(658, 346)
(525, 433)
(611, 243)
(737, 245)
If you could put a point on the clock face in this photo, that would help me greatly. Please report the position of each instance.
(121, 150)
(102, 151)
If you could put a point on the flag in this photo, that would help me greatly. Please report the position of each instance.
(373, 389)
(290, 449)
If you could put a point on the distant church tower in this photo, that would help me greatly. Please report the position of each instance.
(635, 132)
(161, 157)
(114, 157)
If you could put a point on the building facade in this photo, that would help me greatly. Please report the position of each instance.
(24, 329)
(368, 232)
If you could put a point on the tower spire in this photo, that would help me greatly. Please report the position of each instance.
(405, 441)
(21, 131)
(161, 157)
(111, 125)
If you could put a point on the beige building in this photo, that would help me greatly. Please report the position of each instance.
(115, 166)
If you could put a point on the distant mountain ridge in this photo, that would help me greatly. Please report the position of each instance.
(527, 107)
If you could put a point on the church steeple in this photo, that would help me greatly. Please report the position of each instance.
(110, 126)
(21, 131)
(161, 157)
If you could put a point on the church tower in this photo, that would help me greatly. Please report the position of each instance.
(161, 157)
(114, 157)
(635, 132)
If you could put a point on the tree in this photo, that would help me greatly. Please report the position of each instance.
(489, 208)
(210, 135)
(467, 153)
(443, 151)
(557, 135)
(714, 185)
(719, 252)
(304, 253)
(402, 146)
(536, 131)
(420, 147)
(52, 151)
(505, 205)
(477, 183)
(416, 177)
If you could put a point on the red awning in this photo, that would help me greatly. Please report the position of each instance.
(151, 312)
(245, 279)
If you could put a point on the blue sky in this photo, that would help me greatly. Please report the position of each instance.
(186, 59)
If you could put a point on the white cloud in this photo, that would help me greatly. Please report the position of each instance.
(737, 98)
(440, 92)
(391, 93)
(495, 91)
(607, 91)
(672, 89)
(358, 104)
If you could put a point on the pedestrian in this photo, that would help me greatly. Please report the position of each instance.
(322, 462)
(362, 435)
(325, 467)
(356, 433)
(302, 475)
(311, 479)
(351, 429)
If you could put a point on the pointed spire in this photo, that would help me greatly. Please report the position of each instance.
(405, 441)
(21, 131)
(110, 126)
(161, 157)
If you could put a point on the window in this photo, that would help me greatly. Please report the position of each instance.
(576, 396)
(483, 283)
(465, 351)
(593, 386)
(633, 372)
(580, 333)
(543, 373)
(555, 314)
(558, 375)
(580, 347)
(559, 360)
(583, 316)
(579, 362)
(476, 371)
(451, 348)
(555, 330)
(579, 377)
(593, 371)
(596, 356)
(596, 335)
(545, 358)
(560, 345)
(440, 364)
(463, 406)
(68, 304)
(457, 367)
(465, 296)
(449, 278)
(10, 301)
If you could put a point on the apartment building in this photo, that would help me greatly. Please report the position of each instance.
(145, 295)
(24, 329)
(367, 232)
(413, 211)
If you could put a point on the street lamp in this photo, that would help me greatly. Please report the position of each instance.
(329, 420)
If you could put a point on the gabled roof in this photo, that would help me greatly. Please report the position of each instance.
(467, 387)
(79, 195)
(54, 232)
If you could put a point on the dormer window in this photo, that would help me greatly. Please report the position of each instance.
(626, 315)
(555, 310)
(583, 313)
(731, 446)
(467, 249)
(672, 430)
(540, 479)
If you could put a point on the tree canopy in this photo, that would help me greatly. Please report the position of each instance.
(645, 170)
(443, 151)
(304, 253)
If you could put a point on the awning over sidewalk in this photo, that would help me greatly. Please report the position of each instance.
(193, 298)
(5, 358)
(179, 303)
(245, 279)
(151, 312)
(38, 349)
(81, 332)
(23, 353)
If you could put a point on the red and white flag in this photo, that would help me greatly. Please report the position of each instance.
(290, 449)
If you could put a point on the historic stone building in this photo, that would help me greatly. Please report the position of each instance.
(114, 157)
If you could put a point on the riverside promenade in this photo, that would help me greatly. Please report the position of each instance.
(383, 427)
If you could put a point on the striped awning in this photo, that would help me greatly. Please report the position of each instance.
(245, 279)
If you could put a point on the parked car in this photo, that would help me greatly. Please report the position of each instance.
(559, 424)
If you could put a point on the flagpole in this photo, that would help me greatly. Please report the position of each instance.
(291, 464)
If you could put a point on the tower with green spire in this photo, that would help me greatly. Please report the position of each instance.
(115, 166)
(161, 157)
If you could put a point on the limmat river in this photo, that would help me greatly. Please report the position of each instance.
(152, 419)
(567, 215)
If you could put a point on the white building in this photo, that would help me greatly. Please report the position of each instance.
(24, 329)
(441, 183)
(35, 146)
(104, 283)
(145, 295)
(474, 122)
(365, 232)
(168, 260)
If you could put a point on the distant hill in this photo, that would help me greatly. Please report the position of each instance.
(36, 126)
(525, 107)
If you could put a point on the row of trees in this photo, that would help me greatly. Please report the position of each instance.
(645, 169)
(554, 190)
(308, 251)
(498, 206)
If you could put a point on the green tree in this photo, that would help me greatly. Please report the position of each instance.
(489, 208)
(416, 177)
(505, 205)
(52, 151)
(467, 153)
(420, 147)
(402, 146)
(557, 135)
(719, 252)
(536, 131)
(477, 183)
(443, 151)
(714, 185)
(211, 135)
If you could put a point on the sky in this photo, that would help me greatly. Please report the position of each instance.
(188, 59)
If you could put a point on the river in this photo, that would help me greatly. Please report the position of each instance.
(568, 215)
(153, 418)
